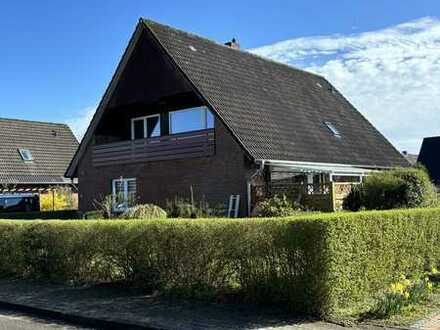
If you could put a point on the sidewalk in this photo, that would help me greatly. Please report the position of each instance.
(130, 309)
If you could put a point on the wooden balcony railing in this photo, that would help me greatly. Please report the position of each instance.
(177, 146)
(327, 196)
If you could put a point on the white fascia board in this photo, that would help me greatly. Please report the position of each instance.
(332, 168)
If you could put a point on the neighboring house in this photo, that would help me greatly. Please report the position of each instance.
(430, 158)
(183, 112)
(33, 159)
(411, 158)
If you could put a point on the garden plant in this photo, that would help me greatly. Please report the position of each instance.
(320, 264)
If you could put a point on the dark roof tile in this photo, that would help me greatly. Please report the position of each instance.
(51, 145)
(274, 110)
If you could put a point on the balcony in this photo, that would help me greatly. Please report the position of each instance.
(177, 146)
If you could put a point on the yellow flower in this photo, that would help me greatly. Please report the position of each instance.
(397, 288)
(434, 270)
(406, 294)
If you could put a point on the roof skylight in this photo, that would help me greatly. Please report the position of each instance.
(26, 155)
(332, 129)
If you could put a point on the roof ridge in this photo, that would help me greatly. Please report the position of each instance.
(244, 51)
(33, 121)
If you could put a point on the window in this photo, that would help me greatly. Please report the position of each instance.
(192, 119)
(332, 129)
(25, 155)
(145, 127)
(123, 194)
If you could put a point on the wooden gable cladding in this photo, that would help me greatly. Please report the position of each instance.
(148, 76)
(199, 143)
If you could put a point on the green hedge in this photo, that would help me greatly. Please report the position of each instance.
(316, 263)
(396, 188)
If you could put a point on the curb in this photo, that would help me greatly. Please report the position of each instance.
(73, 319)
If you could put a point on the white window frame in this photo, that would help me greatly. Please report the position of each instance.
(125, 182)
(23, 152)
(332, 128)
(203, 117)
(144, 119)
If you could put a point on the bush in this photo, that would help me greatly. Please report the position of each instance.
(61, 198)
(315, 263)
(182, 208)
(353, 201)
(144, 212)
(398, 188)
(419, 189)
(277, 206)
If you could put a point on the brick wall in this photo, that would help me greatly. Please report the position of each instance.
(214, 178)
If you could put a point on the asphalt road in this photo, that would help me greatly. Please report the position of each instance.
(12, 320)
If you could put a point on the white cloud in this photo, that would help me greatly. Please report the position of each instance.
(392, 75)
(81, 121)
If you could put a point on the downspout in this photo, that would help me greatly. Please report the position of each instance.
(249, 181)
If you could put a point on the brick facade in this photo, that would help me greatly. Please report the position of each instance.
(214, 178)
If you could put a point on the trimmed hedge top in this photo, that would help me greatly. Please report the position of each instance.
(318, 263)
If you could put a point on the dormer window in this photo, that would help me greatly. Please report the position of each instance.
(26, 155)
(332, 129)
(145, 127)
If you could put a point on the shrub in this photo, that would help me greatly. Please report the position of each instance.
(353, 201)
(398, 188)
(277, 206)
(144, 212)
(104, 206)
(58, 199)
(314, 263)
(419, 189)
(182, 208)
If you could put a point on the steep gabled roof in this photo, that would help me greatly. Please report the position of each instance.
(430, 157)
(278, 112)
(52, 147)
(275, 111)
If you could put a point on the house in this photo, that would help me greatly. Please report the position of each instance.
(33, 159)
(430, 158)
(184, 113)
(411, 158)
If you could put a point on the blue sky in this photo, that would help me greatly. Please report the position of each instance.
(57, 57)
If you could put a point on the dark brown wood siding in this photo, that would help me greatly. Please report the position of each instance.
(177, 146)
(152, 84)
(213, 178)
